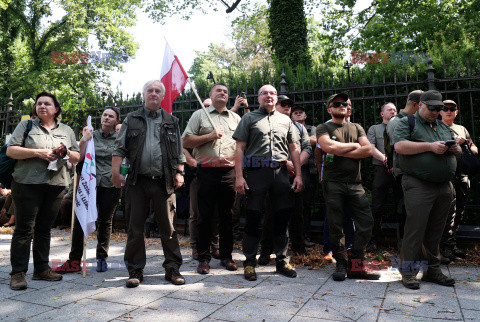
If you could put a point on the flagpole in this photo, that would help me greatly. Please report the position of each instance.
(74, 197)
(84, 261)
(201, 103)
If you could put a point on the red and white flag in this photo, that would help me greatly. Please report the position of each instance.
(173, 76)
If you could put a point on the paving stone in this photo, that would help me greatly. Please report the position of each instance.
(251, 308)
(350, 287)
(471, 315)
(60, 294)
(468, 295)
(11, 310)
(86, 310)
(389, 317)
(236, 277)
(287, 291)
(430, 302)
(170, 309)
(340, 308)
(6, 292)
(304, 275)
(216, 293)
(110, 278)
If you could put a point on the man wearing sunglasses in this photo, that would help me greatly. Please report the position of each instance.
(461, 183)
(428, 162)
(342, 183)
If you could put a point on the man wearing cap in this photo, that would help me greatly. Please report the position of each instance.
(284, 106)
(461, 183)
(342, 184)
(383, 180)
(428, 164)
(265, 140)
(413, 101)
(214, 149)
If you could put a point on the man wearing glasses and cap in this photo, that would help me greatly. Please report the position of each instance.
(428, 163)
(461, 183)
(345, 144)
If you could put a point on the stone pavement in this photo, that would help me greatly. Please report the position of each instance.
(226, 296)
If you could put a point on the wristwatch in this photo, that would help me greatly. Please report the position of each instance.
(182, 172)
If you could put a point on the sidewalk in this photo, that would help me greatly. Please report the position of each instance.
(227, 296)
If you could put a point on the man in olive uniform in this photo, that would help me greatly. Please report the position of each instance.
(151, 141)
(214, 149)
(461, 183)
(428, 163)
(413, 101)
(265, 139)
(383, 179)
(342, 184)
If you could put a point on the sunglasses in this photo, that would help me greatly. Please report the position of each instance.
(283, 104)
(435, 108)
(451, 109)
(338, 104)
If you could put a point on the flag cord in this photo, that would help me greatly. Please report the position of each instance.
(201, 104)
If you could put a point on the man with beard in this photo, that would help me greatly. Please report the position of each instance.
(348, 144)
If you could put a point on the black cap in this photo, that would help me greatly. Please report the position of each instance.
(298, 107)
(432, 98)
(334, 96)
(284, 98)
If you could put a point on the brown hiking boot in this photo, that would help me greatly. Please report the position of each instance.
(411, 282)
(18, 282)
(47, 275)
(134, 279)
(438, 278)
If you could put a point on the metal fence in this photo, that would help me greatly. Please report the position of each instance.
(369, 89)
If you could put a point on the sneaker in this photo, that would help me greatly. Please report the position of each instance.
(102, 265)
(134, 279)
(203, 267)
(18, 282)
(229, 264)
(286, 270)
(328, 258)
(70, 266)
(173, 275)
(264, 259)
(47, 275)
(459, 253)
(340, 272)
(438, 278)
(411, 282)
(249, 273)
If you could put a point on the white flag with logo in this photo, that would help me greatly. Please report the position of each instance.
(86, 199)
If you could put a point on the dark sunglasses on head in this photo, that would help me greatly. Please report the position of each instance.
(435, 108)
(338, 104)
(283, 104)
(451, 109)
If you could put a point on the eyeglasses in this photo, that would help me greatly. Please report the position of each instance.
(435, 108)
(267, 92)
(338, 104)
(451, 109)
(284, 104)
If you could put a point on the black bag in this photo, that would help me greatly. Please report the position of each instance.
(469, 163)
(7, 164)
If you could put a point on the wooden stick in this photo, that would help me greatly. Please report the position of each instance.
(73, 198)
(84, 262)
(201, 104)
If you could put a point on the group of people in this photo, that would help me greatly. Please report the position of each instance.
(264, 158)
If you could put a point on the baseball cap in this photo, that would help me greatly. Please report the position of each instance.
(432, 98)
(415, 95)
(334, 96)
(285, 98)
(445, 102)
(298, 107)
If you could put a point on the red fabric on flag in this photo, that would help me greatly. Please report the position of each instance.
(174, 78)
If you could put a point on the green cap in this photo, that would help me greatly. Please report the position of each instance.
(334, 96)
(432, 98)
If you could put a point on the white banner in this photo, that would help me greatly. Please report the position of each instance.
(86, 200)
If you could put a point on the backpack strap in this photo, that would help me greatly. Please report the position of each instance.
(300, 128)
(27, 130)
(411, 122)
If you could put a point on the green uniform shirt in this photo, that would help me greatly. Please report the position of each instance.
(427, 166)
(104, 147)
(342, 169)
(375, 136)
(267, 135)
(34, 170)
(218, 152)
(390, 130)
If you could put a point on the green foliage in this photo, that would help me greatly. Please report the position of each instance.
(288, 32)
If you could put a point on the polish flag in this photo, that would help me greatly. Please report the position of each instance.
(173, 76)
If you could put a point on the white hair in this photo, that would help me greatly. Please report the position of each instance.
(147, 84)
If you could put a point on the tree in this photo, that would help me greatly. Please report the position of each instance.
(32, 40)
(288, 32)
